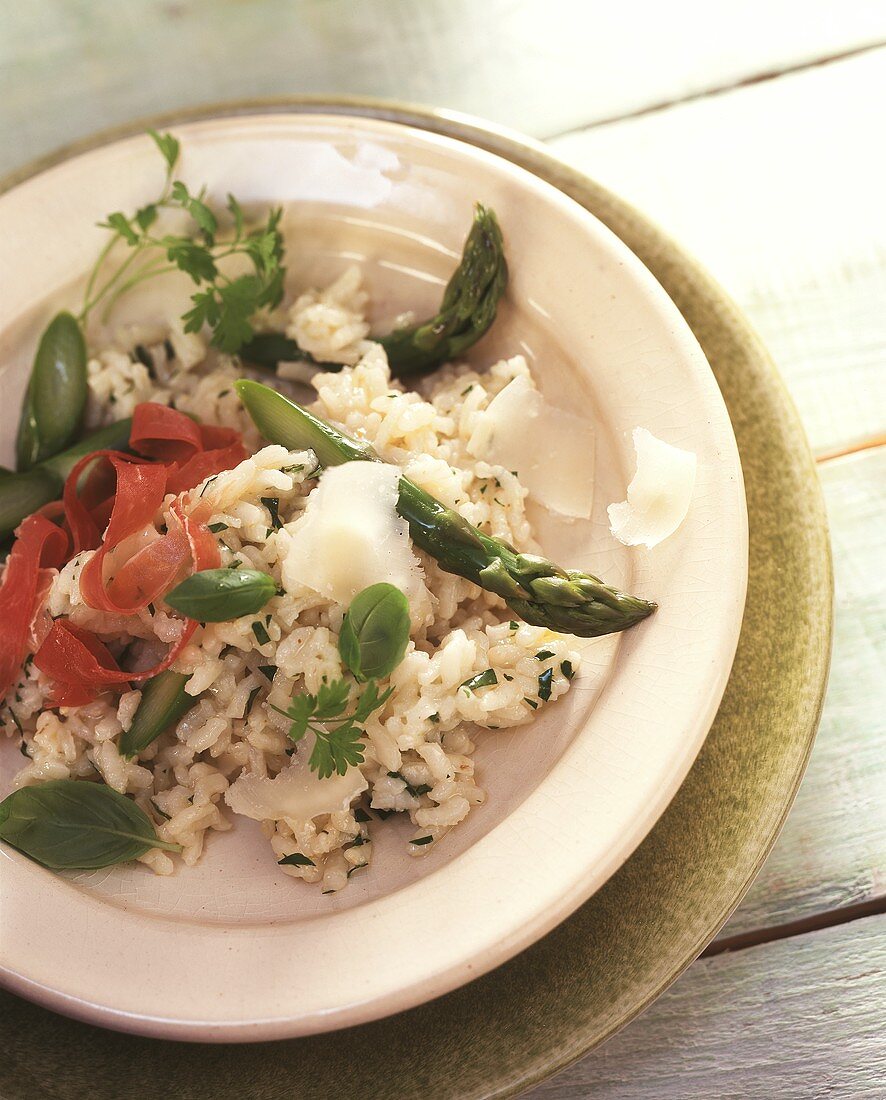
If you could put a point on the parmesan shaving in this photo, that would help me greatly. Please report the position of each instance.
(659, 494)
(551, 451)
(296, 794)
(350, 537)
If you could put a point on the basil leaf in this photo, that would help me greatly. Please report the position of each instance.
(217, 595)
(374, 632)
(66, 824)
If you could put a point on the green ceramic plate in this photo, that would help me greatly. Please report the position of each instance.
(573, 989)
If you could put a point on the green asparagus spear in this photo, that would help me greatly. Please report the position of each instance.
(22, 494)
(164, 700)
(535, 589)
(468, 309)
(56, 396)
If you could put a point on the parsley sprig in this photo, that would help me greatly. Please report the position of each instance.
(337, 735)
(225, 303)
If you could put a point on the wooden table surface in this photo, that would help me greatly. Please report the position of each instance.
(753, 133)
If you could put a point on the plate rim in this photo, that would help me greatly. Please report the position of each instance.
(536, 158)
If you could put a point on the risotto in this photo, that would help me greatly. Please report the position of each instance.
(419, 747)
(254, 729)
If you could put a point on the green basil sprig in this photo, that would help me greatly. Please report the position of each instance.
(67, 824)
(56, 396)
(218, 595)
(375, 632)
(164, 700)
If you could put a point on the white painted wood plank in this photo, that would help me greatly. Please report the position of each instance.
(778, 189)
(543, 66)
(832, 851)
(800, 1019)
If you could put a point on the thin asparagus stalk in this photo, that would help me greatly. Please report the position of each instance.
(466, 312)
(21, 494)
(164, 700)
(56, 395)
(536, 590)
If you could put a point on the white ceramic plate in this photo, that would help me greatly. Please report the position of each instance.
(232, 949)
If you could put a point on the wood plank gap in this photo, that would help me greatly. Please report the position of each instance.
(719, 89)
(852, 449)
(832, 918)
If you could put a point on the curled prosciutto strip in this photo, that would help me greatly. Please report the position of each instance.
(83, 667)
(40, 546)
(191, 452)
(110, 504)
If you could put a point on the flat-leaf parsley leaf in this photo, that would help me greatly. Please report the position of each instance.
(337, 736)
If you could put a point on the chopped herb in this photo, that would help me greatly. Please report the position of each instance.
(207, 483)
(235, 564)
(499, 502)
(273, 506)
(151, 609)
(514, 625)
(544, 684)
(291, 469)
(567, 669)
(544, 655)
(464, 393)
(358, 841)
(481, 680)
(422, 840)
(416, 792)
(216, 527)
(531, 703)
(141, 354)
(383, 815)
(251, 700)
(298, 860)
(267, 670)
(435, 717)
(361, 815)
(23, 749)
(508, 678)
(162, 813)
(483, 489)
(261, 635)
